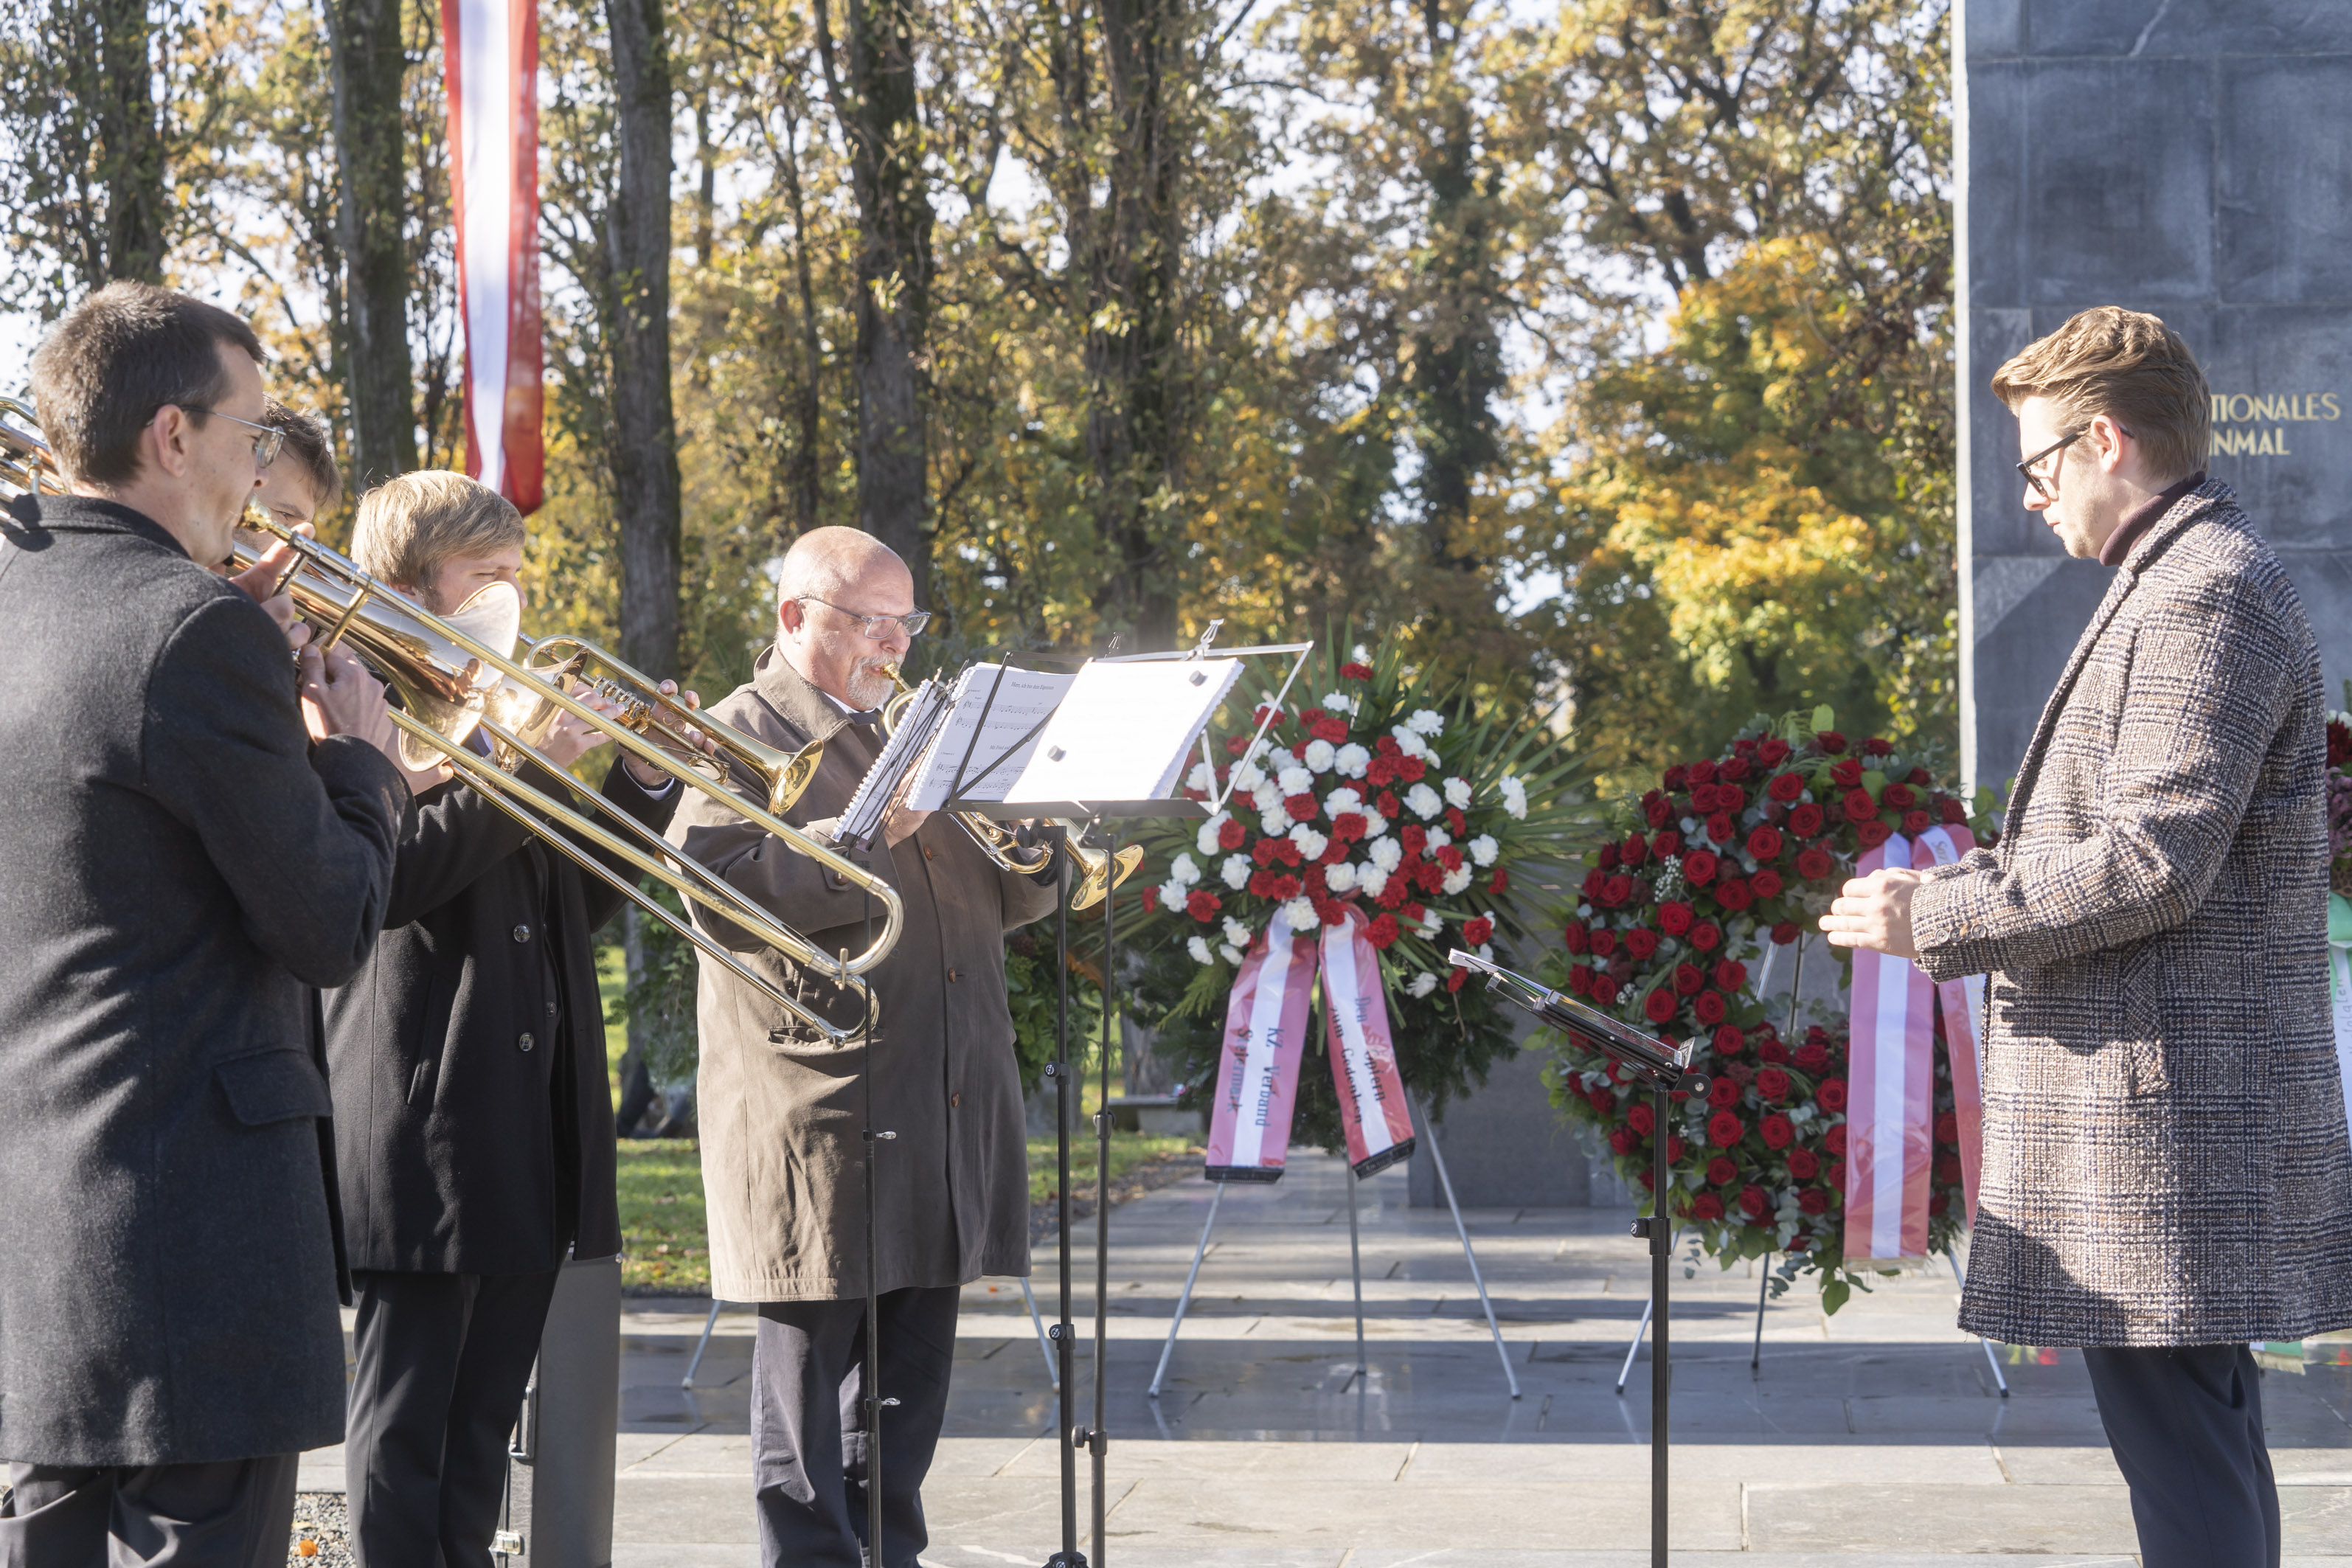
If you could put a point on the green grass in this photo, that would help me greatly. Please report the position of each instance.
(664, 1241)
(612, 979)
(1127, 1150)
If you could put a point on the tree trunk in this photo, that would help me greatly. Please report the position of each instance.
(874, 100)
(644, 453)
(367, 64)
(130, 132)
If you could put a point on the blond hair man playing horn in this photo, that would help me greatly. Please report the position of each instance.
(2166, 1175)
(781, 1108)
(468, 1062)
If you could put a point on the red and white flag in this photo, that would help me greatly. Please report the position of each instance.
(1891, 1097)
(1963, 1001)
(491, 50)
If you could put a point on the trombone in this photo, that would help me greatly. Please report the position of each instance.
(1098, 870)
(28, 467)
(458, 677)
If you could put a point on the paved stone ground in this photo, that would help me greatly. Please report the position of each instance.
(1876, 1436)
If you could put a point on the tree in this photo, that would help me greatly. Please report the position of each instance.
(369, 61)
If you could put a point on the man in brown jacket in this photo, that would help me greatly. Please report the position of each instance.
(781, 1110)
(2166, 1175)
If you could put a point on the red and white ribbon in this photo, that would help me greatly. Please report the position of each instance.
(1363, 1057)
(1257, 1076)
(1963, 1001)
(1891, 1100)
(491, 53)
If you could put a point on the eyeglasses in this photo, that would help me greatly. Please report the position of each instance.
(265, 444)
(2026, 467)
(880, 627)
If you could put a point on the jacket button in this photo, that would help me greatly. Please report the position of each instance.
(954, 1100)
(523, 933)
(524, 1042)
(954, 976)
(550, 1009)
(927, 852)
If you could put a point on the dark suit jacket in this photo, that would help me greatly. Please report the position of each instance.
(177, 864)
(451, 1052)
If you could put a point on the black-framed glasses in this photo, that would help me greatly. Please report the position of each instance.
(877, 627)
(267, 442)
(2060, 445)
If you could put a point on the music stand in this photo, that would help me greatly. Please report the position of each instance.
(1665, 1070)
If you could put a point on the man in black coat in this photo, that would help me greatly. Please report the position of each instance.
(467, 1063)
(179, 862)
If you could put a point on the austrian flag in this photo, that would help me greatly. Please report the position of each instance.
(491, 53)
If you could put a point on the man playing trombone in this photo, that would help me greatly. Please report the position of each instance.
(467, 1058)
(781, 1106)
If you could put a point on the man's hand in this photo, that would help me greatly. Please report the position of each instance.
(901, 824)
(1874, 911)
(572, 738)
(696, 743)
(341, 697)
(260, 578)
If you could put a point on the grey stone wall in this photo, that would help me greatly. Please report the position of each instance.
(2186, 157)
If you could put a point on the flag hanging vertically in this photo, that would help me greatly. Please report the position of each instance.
(491, 50)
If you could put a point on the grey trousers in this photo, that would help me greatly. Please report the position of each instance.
(808, 1440)
(235, 1513)
(2186, 1424)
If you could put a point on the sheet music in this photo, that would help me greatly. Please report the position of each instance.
(861, 820)
(1124, 730)
(1021, 698)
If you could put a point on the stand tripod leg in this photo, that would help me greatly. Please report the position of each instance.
(1037, 1320)
(1756, 1352)
(1661, 1370)
(1356, 1269)
(1992, 1360)
(1098, 1440)
(1185, 1301)
(1643, 1327)
(1471, 1257)
(701, 1345)
(1065, 1340)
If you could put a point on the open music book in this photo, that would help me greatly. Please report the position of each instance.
(886, 782)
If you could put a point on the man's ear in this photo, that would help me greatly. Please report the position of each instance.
(2108, 440)
(166, 442)
(790, 615)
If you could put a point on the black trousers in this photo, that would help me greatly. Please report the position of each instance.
(442, 1360)
(2186, 1424)
(237, 1513)
(808, 1433)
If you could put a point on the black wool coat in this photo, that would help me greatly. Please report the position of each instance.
(467, 1056)
(178, 864)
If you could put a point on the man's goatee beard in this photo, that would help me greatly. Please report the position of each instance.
(868, 688)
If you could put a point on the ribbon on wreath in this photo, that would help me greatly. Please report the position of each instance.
(2339, 985)
(1265, 1038)
(1963, 1007)
(1891, 1097)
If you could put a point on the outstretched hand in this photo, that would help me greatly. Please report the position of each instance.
(1874, 911)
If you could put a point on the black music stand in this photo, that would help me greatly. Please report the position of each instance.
(1664, 1069)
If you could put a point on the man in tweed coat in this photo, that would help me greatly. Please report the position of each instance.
(2166, 1175)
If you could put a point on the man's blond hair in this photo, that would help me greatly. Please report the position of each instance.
(408, 526)
(2129, 366)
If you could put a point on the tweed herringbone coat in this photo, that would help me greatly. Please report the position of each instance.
(2164, 1155)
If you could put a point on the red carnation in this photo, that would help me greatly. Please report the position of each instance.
(1150, 898)
(1829, 740)
(1872, 834)
(1733, 894)
(1724, 1129)
(1460, 826)
(1947, 1127)
(1899, 797)
(1230, 833)
(1261, 883)
(1915, 822)
(1834, 1141)
(1332, 729)
(1859, 807)
(1236, 744)
(1777, 1131)
(1413, 839)
(1380, 773)
(1731, 975)
(1202, 904)
(1832, 1094)
(1383, 931)
(1707, 936)
(1478, 930)
(1751, 1203)
(1784, 934)
(1772, 751)
(1386, 804)
(1288, 887)
(1730, 1040)
(1658, 1005)
(1301, 808)
(1709, 1008)
(1706, 1206)
(1786, 787)
(1805, 820)
(1642, 943)
(1501, 882)
(1813, 863)
(1674, 917)
(1698, 868)
(1454, 978)
(1410, 768)
(1352, 670)
(1721, 1172)
(1955, 815)
(1450, 857)
(1813, 1200)
(1640, 1120)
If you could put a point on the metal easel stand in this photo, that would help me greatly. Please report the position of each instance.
(1027, 1295)
(1065, 1339)
(701, 1344)
(1756, 1354)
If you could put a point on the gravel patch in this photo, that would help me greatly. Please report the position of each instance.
(320, 1524)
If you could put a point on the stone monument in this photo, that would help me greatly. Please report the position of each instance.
(2182, 157)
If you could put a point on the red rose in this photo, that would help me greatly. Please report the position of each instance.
(1847, 774)
(1777, 1131)
(1898, 797)
(1640, 1120)
(1301, 808)
(1478, 930)
(1579, 975)
(1829, 740)
(1709, 1008)
(1772, 751)
(1718, 827)
(1786, 787)
(1805, 820)
(1673, 1148)
(1878, 748)
(1352, 670)
(1721, 1172)
(1803, 1164)
(1689, 979)
(1751, 1203)
(1724, 1129)
(1915, 822)
(1658, 1005)
(1604, 942)
(1698, 868)
(1230, 833)
(1773, 1084)
(1641, 942)
(1707, 936)
(1859, 807)
(1813, 863)
(1733, 894)
(1701, 772)
(1331, 730)
(1150, 898)
(1620, 889)
(1634, 850)
(1764, 843)
(1604, 990)
(1731, 975)
(1765, 884)
(1706, 1206)
(1784, 934)
(1722, 1091)
(1812, 1057)
(1872, 834)
(1916, 776)
(1948, 1170)
(1730, 1040)
(1730, 798)
(1454, 978)
(1702, 799)
(1202, 904)
(1575, 938)
(1674, 917)
(1947, 1127)
(1667, 845)
(1622, 1140)
(1955, 815)
(1383, 931)
(1832, 1094)
(1656, 813)
(1813, 1200)
(1603, 1101)
(1834, 1141)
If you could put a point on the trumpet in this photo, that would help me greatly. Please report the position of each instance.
(1099, 870)
(457, 676)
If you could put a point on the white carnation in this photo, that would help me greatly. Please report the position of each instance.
(1236, 871)
(1319, 756)
(1457, 880)
(1342, 801)
(1182, 870)
(1279, 760)
(1267, 795)
(1338, 702)
(1247, 777)
(1458, 793)
(1199, 950)
(1438, 839)
(1340, 877)
(1430, 924)
(1274, 821)
(1409, 742)
(1387, 854)
(1237, 934)
(1310, 843)
(1422, 801)
(1295, 780)
(1427, 721)
(1515, 794)
(1203, 777)
(1361, 653)
(1486, 951)
(1374, 822)
(1206, 839)
(1300, 913)
(1483, 848)
(1352, 760)
(1371, 878)
(1423, 983)
(1231, 954)
(1172, 895)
